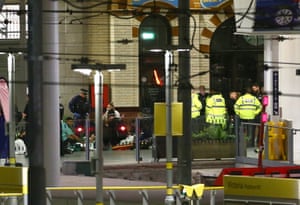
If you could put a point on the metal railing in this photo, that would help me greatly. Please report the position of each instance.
(278, 142)
(142, 190)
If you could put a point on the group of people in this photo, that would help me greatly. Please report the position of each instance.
(213, 108)
(80, 106)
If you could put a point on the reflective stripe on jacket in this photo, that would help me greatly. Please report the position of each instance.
(247, 107)
(215, 109)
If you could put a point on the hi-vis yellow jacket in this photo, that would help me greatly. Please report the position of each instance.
(196, 105)
(215, 109)
(247, 107)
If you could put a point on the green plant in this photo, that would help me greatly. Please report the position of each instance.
(215, 132)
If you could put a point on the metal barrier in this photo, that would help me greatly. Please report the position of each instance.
(13, 185)
(11, 198)
(142, 190)
(278, 142)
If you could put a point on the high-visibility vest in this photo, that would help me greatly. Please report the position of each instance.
(247, 107)
(196, 106)
(215, 109)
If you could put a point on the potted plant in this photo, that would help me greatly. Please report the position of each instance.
(213, 141)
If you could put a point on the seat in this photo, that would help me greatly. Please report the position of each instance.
(20, 147)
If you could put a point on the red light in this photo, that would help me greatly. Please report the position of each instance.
(122, 128)
(156, 78)
(79, 129)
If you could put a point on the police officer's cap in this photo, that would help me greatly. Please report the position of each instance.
(84, 91)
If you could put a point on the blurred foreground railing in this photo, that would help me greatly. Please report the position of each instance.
(142, 190)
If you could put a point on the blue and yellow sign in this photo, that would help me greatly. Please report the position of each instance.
(211, 3)
(194, 4)
(142, 2)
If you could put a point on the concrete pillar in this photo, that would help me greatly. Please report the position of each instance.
(51, 94)
(289, 84)
(271, 56)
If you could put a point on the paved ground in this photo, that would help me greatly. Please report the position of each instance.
(114, 158)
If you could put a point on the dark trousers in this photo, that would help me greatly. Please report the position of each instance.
(249, 131)
(195, 124)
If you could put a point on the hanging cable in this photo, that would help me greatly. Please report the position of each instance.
(245, 13)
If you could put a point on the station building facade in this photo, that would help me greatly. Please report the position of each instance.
(93, 32)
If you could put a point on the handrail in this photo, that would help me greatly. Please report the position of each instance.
(110, 190)
(126, 188)
(11, 194)
(115, 188)
(142, 191)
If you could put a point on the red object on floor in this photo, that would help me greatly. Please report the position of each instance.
(122, 147)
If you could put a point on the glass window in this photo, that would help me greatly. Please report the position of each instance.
(10, 22)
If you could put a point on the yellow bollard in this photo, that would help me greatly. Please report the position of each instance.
(277, 139)
(271, 135)
(282, 141)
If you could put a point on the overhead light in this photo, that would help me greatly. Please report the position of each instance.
(156, 50)
(112, 67)
(87, 69)
(83, 71)
(172, 48)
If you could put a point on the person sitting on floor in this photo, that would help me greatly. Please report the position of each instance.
(68, 137)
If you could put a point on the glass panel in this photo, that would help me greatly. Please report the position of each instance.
(10, 22)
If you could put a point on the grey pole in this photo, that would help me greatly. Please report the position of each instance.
(51, 126)
(98, 84)
(12, 103)
(169, 200)
(87, 139)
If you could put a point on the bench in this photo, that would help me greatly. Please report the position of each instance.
(13, 184)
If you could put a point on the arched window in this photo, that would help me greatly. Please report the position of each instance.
(236, 61)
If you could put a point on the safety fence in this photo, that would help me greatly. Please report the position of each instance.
(183, 194)
(277, 142)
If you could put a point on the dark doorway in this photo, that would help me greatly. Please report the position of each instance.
(236, 61)
(154, 33)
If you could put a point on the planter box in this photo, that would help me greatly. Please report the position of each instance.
(213, 149)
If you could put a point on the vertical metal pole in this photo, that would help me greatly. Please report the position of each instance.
(236, 132)
(184, 165)
(290, 138)
(241, 136)
(261, 140)
(87, 137)
(137, 140)
(98, 83)
(169, 200)
(12, 103)
(37, 174)
(213, 197)
(50, 92)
